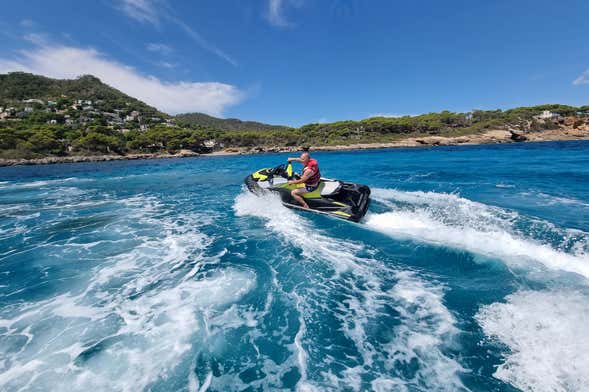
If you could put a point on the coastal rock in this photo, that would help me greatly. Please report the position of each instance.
(517, 136)
(434, 141)
(187, 153)
(93, 158)
(462, 140)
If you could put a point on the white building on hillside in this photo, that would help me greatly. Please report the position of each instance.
(40, 102)
(547, 115)
(210, 143)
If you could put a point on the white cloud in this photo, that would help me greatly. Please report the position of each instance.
(196, 37)
(156, 11)
(275, 11)
(145, 11)
(159, 48)
(27, 23)
(166, 64)
(35, 38)
(60, 61)
(582, 79)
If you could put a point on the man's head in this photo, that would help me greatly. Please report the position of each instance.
(305, 157)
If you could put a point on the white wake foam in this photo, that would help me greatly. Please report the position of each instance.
(135, 317)
(426, 324)
(551, 199)
(546, 333)
(41, 183)
(449, 220)
(296, 230)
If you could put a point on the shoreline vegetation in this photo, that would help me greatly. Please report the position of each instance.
(45, 121)
(491, 137)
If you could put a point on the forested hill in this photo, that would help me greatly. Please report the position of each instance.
(41, 117)
(224, 124)
(446, 122)
(16, 87)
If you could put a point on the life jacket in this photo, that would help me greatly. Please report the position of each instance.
(316, 176)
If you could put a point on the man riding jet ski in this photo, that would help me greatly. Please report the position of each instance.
(340, 199)
(311, 178)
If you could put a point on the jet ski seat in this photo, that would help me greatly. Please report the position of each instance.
(330, 187)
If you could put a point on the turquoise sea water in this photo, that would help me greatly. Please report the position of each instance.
(470, 272)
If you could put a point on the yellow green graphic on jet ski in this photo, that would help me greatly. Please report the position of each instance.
(336, 198)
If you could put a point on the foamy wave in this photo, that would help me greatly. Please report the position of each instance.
(149, 335)
(41, 183)
(427, 325)
(295, 229)
(135, 316)
(449, 220)
(551, 199)
(420, 175)
(546, 333)
(367, 287)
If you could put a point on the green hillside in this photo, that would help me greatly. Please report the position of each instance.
(18, 86)
(228, 124)
(42, 117)
(445, 123)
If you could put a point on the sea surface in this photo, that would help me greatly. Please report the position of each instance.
(469, 272)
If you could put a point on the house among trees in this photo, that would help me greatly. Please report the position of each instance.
(548, 115)
(40, 102)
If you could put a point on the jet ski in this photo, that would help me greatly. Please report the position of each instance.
(335, 198)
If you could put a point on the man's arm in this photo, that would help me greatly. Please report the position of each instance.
(306, 174)
(295, 159)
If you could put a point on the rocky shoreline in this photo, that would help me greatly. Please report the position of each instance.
(93, 158)
(489, 137)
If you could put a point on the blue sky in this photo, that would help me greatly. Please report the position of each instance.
(300, 61)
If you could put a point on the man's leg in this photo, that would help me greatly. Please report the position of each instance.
(298, 195)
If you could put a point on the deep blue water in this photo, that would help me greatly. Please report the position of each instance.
(469, 272)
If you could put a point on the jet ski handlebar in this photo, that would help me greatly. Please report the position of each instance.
(284, 170)
(278, 170)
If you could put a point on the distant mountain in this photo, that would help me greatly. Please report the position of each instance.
(227, 124)
(18, 86)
